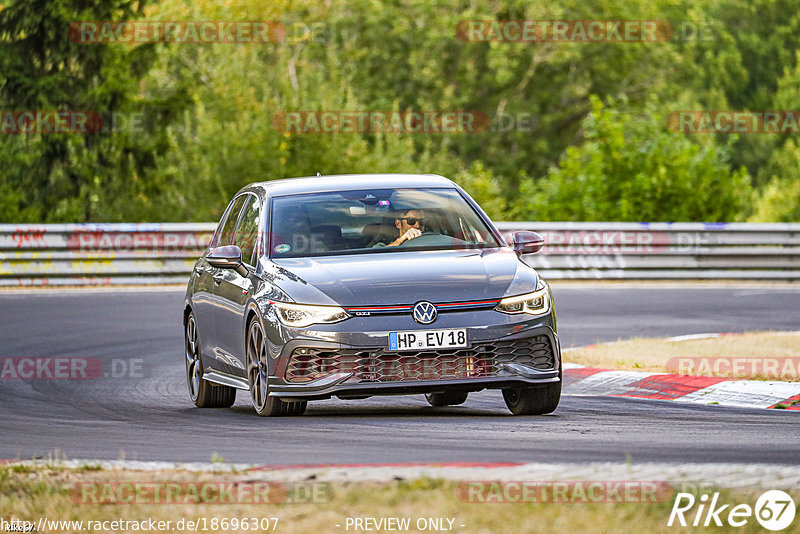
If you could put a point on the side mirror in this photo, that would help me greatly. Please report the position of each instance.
(227, 257)
(527, 242)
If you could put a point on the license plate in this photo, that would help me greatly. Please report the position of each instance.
(428, 339)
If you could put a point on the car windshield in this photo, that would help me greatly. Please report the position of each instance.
(375, 221)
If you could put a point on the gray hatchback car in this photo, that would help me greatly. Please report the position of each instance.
(360, 285)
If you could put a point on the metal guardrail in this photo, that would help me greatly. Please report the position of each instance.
(657, 251)
(100, 254)
(159, 253)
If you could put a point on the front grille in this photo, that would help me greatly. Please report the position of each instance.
(378, 365)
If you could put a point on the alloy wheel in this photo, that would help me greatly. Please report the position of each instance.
(193, 365)
(257, 365)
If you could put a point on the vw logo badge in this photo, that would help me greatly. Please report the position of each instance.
(424, 312)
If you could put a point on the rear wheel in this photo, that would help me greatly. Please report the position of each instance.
(446, 398)
(258, 373)
(533, 401)
(203, 393)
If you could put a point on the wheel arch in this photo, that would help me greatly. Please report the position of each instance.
(252, 312)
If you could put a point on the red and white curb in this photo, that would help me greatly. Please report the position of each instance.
(581, 380)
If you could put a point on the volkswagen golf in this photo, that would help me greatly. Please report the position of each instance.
(361, 285)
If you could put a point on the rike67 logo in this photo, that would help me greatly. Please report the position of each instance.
(774, 510)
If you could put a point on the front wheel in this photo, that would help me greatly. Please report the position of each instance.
(258, 373)
(203, 393)
(533, 401)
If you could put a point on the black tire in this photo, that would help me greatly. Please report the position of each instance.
(533, 401)
(257, 377)
(203, 393)
(446, 398)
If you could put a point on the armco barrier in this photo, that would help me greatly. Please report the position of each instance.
(654, 251)
(100, 254)
(158, 253)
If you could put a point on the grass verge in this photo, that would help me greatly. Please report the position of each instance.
(32, 493)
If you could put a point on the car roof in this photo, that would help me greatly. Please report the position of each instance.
(345, 182)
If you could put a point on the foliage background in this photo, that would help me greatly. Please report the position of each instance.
(589, 139)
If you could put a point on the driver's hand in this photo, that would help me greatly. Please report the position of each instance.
(411, 234)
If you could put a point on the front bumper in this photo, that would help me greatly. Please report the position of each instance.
(506, 356)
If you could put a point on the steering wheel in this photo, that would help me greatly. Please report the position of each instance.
(430, 239)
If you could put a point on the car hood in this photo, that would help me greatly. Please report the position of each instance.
(403, 277)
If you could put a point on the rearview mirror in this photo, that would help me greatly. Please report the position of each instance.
(527, 242)
(227, 257)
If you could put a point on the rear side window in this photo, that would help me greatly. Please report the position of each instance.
(247, 232)
(225, 235)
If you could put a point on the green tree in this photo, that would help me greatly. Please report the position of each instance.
(631, 168)
(779, 199)
(210, 107)
(76, 176)
(739, 66)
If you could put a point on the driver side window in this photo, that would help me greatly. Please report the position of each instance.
(247, 232)
(224, 235)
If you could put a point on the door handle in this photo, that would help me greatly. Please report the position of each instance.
(217, 279)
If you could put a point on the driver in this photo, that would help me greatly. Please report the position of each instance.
(409, 226)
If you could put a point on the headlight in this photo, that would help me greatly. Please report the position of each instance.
(536, 303)
(300, 315)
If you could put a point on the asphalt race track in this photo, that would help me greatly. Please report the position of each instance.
(150, 417)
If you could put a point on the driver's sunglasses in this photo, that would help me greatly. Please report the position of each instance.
(412, 221)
